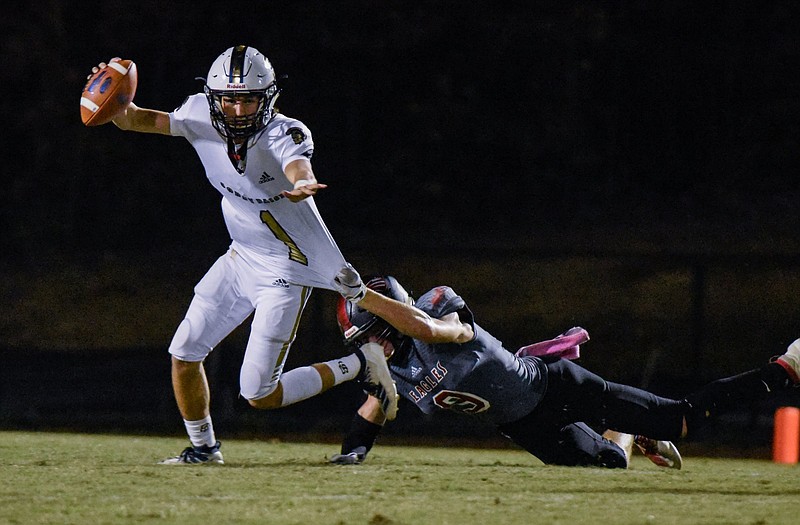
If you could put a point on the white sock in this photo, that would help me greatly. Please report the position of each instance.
(299, 384)
(201, 432)
(344, 368)
(304, 382)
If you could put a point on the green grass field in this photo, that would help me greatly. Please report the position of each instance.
(95, 479)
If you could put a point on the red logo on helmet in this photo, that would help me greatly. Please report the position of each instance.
(237, 86)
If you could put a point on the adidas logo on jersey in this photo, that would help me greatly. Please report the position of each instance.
(265, 177)
(282, 283)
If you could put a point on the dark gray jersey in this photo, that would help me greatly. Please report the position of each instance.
(477, 377)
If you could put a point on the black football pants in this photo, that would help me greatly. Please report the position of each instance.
(559, 430)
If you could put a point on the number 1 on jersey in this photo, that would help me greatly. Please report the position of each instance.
(294, 251)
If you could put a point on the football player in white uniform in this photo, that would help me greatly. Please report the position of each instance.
(259, 160)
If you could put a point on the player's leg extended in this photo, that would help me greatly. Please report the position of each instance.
(716, 397)
(213, 313)
(580, 395)
(263, 382)
(731, 392)
(272, 333)
(572, 445)
(635, 411)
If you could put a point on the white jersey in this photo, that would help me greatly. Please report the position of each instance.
(268, 230)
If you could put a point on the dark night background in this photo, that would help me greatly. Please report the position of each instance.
(630, 167)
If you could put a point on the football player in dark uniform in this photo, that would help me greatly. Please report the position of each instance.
(441, 359)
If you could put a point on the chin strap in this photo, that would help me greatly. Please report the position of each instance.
(238, 155)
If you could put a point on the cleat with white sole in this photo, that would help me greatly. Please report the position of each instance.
(375, 372)
(204, 455)
(662, 453)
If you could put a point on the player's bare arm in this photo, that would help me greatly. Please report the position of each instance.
(415, 323)
(138, 119)
(301, 175)
(143, 120)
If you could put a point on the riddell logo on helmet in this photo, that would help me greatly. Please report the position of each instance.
(350, 331)
(237, 86)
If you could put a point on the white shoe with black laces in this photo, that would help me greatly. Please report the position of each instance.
(197, 456)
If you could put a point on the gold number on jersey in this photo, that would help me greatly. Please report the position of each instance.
(294, 251)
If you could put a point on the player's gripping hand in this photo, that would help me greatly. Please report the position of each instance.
(101, 65)
(348, 283)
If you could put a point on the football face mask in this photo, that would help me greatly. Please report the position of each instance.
(241, 93)
(238, 115)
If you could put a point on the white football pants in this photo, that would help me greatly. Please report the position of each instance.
(224, 298)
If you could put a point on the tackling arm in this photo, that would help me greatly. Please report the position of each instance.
(415, 323)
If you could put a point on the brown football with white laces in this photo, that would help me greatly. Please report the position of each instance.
(108, 92)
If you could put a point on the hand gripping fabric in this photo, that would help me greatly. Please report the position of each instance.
(348, 283)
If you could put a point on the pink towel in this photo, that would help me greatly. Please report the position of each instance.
(566, 345)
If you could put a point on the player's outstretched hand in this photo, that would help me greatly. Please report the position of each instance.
(348, 283)
(303, 192)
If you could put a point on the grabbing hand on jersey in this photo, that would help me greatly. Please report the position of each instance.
(348, 283)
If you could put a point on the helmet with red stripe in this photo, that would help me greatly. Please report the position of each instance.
(358, 324)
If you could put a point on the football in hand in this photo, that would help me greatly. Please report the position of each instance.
(108, 92)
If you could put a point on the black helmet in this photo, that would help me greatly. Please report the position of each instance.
(358, 324)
